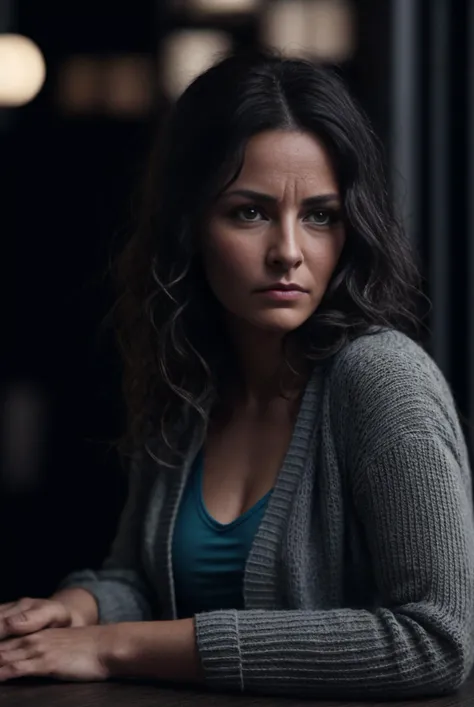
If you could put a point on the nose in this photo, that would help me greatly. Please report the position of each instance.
(284, 251)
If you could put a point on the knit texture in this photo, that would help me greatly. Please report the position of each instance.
(360, 579)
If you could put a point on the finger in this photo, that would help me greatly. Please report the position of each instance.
(19, 669)
(14, 655)
(18, 661)
(10, 644)
(17, 622)
(21, 622)
(32, 620)
(16, 607)
(4, 629)
(23, 603)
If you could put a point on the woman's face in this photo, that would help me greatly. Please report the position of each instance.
(279, 224)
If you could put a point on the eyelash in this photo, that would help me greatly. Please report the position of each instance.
(334, 215)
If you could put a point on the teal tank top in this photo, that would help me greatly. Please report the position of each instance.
(209, 557)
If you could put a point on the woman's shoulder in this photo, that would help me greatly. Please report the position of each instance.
(386, 357)
(385, 385)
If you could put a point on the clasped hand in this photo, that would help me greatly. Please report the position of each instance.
(38, 638)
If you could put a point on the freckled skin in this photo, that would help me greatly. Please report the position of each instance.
(284, 241)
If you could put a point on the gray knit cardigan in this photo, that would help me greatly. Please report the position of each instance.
(360, 579)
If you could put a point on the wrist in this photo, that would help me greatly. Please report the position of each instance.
(159, 650)
(77, 619)
(115, 649)
(81, 605)
(120, 649)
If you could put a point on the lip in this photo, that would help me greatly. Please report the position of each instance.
(283, 287)
(283, 292)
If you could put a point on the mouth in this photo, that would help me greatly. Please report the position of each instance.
(278, 287)
(283, 293)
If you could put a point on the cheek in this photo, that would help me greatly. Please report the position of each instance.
(323, 258)
(228, 264)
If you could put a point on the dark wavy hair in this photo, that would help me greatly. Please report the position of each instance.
(175, 352)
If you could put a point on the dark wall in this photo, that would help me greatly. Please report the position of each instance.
(68, 188)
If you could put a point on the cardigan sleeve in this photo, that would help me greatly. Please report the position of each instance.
(120, 587)
(414, 498)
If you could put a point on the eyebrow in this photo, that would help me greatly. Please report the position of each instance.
(317, 200)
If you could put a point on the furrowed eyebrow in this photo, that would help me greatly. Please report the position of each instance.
(317, 200)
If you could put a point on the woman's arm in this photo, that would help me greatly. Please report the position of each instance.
(411, 485)
(419, 525)
(156, 650)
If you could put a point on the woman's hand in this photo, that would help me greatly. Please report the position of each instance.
(27, 615)
(72, 654)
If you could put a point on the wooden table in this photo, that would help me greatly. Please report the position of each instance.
(44, 693)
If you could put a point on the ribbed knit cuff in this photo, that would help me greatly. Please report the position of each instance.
(217, 636)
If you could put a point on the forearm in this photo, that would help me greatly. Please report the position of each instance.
(156, 650)
(81, 604)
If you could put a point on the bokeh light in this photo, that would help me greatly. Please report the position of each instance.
(22, 70)
(187, 53)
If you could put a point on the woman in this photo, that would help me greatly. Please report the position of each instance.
(299, 518)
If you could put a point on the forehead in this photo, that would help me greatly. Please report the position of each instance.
(285, 159)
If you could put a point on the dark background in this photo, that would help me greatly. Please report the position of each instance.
(67, 200)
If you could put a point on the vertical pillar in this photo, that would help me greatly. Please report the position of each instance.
(439, 231)
(405, 100)
(470, 217)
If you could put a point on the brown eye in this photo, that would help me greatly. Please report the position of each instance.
(248, 214)
(323, 217)
(320, 217)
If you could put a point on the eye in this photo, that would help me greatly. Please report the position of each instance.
(247, 214)
(323, 217)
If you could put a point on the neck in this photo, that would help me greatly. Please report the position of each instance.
(265, 374)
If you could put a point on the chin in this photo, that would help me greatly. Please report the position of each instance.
(279, 322)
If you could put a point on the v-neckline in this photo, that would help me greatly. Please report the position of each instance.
(198, 487)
